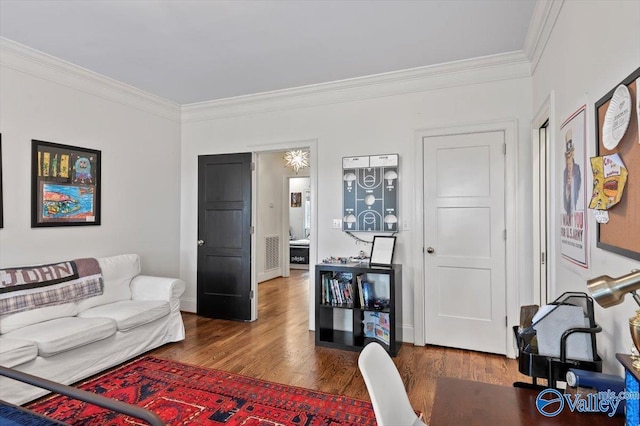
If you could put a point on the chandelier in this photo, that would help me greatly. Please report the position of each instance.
(296, 159)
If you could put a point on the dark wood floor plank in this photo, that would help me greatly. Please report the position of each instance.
(280, 348)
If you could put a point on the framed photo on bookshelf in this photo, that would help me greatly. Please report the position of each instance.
(382, 250)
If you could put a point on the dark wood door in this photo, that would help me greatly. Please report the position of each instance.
(224, 232)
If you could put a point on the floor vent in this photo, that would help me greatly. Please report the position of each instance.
(272, 250)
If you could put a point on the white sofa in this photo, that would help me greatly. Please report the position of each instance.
(69, 342)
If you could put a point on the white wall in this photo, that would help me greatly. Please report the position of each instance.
(594, 45)
(139, 136)
(363, 119)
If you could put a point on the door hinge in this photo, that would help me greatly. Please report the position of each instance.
(506, 321)
(252, 230)
(504, 234)
(251, 294)
(504, 149)
(543, 258)
(253, 166)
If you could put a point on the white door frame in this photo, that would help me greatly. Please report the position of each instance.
(509, 127)
(546, 112)
(312, 146)
(284, 255)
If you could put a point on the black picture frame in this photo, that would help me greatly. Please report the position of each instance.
(65, 185)
(622, 229)
(382, 250)
(296, 199)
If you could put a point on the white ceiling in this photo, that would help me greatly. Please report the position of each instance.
(192, 51)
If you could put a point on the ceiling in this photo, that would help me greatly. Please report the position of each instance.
(200, 50)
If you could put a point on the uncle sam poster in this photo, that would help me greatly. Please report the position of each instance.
(573, 223)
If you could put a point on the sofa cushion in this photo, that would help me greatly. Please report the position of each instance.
(117, 273)
(130, 314)
(11, 322)
(63, 334)
(15, 352)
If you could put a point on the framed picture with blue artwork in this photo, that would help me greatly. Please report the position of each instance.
(65, 185)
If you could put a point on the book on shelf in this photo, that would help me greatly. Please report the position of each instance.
(367, 294)
(377, 325)
(334, 294)
(337, 290)
(360, 292)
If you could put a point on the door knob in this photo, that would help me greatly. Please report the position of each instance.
(430, 250)
(200, 243)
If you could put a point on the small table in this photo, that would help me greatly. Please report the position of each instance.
(465, 402)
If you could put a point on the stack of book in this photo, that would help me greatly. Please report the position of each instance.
(337, 290)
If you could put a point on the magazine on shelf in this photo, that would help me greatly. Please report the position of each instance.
(376, 325)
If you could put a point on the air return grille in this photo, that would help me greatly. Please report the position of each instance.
(272, 250)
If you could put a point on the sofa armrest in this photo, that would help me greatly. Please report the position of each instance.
(145, 287)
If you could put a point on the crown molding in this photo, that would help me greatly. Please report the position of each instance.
(30, 61)
(460, 73)
(472, 71)
(545, 15)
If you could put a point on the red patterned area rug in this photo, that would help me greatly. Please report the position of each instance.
(184, 394)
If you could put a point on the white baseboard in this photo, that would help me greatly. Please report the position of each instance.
(188, 305)
(298, 266)
(266, 276)
(407, 334)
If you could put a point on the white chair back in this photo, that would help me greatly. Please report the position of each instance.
(388, 394)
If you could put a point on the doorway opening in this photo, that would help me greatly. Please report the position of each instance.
(542, 131)
(541, 277)
(274, 203)
(299, 226)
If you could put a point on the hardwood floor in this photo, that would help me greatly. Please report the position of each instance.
(280, 348)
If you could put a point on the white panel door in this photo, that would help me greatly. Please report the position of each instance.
(465, 259)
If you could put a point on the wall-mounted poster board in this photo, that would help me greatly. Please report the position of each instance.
(618, 132)
(370, 193)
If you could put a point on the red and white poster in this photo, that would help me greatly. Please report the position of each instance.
(573, 220)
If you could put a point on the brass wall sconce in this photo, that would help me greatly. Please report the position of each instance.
(609, 292)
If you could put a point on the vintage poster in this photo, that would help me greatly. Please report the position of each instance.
(573, 223)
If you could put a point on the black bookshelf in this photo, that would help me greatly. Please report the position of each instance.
(343, 321)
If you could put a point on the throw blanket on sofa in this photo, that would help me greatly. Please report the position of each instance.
(33, 287)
